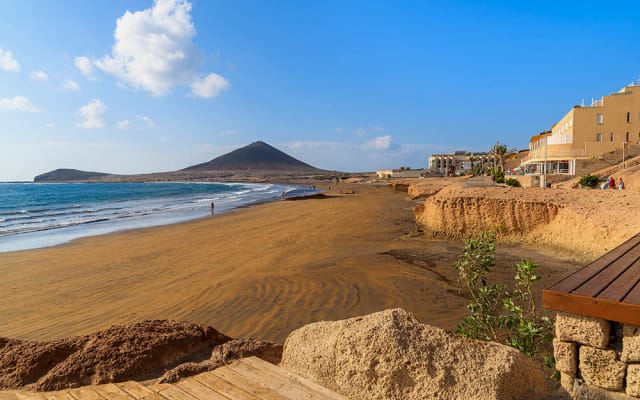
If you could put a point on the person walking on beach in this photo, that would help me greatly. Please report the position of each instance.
(612, 183)
(212, 208)
(620, 184)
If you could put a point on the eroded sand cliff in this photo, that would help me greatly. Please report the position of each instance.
(584, 222)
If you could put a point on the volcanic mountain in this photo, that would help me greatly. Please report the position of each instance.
(68, 175)
(257, 156)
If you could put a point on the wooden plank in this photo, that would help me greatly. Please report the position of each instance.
(58, 395)
(278, 382)
(258, 363)
(220, 386)
(633, 297)
(600, 281)
(198, 389)
(591, 307)
(171, 392)
(623, 285)
(138, 391)
(255, 388)
(29, 396)
(86, 393)
(111, 391)
(575, 280)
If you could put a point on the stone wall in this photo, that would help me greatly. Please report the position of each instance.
(597, 354)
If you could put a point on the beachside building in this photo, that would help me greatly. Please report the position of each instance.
(459, 162)
(608, 125)
(384, 173)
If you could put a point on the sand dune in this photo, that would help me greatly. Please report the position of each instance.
(260, 272)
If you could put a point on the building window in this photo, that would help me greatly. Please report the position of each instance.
(611, 136)
(628, 117)
(627, 139)
(599, 137)
(600, 119)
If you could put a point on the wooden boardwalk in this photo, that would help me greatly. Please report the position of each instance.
(608, 288)
(246, 379)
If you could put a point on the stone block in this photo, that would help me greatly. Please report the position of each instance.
(600, 368)
(589, 331)
(633, 380)
(567, 381)
(566, 355)
(630, 343)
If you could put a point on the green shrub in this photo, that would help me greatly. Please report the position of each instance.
(590, 181)
(510, 317)
(512, 182)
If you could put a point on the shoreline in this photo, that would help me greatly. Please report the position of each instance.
(260, 273)
(52, 237)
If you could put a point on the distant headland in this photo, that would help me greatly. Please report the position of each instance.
(257, 162)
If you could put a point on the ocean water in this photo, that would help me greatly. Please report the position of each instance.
(36, 215)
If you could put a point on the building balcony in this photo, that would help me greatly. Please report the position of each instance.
(540, 154)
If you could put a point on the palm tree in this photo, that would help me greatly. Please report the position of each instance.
(501, 152)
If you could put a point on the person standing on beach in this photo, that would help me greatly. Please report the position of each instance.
(620, 184)
(212, 208)
(612, 183)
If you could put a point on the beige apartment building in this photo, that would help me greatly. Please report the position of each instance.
(459, 162)
(611, 124)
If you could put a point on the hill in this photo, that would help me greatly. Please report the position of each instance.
(256, 156)
(68, 175)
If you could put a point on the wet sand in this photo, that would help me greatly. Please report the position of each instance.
(259, 272)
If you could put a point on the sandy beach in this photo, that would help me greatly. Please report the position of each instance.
(258, 272)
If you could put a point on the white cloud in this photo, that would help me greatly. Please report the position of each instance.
(124, 124)
(360, 132)
(377, 128)
(209, 86)
(153, 51)
(380, 143)
(92, 115)
(343, 156)
(39, 75)
(147, 120)
(70, 85)
(7, 62)
(18, 103)
(85, 65)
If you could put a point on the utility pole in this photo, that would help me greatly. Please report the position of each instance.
(546, 146)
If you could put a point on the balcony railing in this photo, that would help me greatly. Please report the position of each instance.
(540, 153)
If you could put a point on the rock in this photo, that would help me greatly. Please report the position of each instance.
(566, 355)
(589, 331)
(225, 354)
(135, 352)
(389, 355)
(600, 368)
(630, 343)
(633, 380)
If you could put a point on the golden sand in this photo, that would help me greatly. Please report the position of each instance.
(260, 272)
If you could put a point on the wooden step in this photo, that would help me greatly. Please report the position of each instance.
(246, 379)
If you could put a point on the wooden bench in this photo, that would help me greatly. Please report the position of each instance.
(608, 288)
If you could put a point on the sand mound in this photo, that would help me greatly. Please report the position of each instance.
(120, 353)
(421, 188)
(389, 355)
(584, 222)
(226, 353)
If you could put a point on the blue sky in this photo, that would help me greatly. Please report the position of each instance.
(142, 86)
